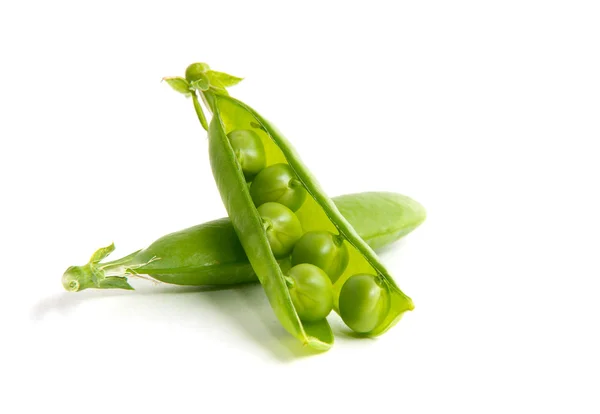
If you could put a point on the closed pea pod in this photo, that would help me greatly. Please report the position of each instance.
(211, 253)
(316, 213)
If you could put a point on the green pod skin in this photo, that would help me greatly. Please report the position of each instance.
(249, 151)
(278, 183)
(364, 302)
(282, 227)
(324, 250)
(311, 292)
(405, 213)
(211, 253)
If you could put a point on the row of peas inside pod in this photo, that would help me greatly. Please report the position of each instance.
(312, 254)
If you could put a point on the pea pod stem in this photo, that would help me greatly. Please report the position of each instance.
(199, 111)
(209, 100)
(289, 281)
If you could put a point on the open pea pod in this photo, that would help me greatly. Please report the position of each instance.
(249, 226)
(364, 293)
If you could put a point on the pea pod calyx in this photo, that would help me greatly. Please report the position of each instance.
(200, 78)
(97, 275)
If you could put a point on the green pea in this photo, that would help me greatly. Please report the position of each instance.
(311, 292)
(323, 249)
(364, 302)
(249, 150)
(278, 183)
(282, 226)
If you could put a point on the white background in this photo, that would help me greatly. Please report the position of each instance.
(485, 112)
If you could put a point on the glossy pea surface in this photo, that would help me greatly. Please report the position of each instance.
(363, 302)
(282, 227)
(249, 150)
(324, 250)
(278, 183)
(311, 292)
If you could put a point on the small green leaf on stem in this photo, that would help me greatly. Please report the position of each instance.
(218, 90)
(199, 112)
(114, 282)
(221, 79)
(179, 84)
(102, 253)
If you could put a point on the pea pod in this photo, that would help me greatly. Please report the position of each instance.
(316, 213)
(211, 254)
(228, 114)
